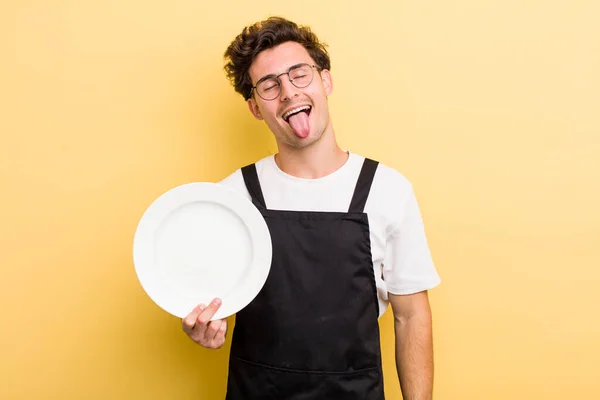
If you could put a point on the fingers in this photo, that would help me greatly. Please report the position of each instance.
(189, 322)
(199, 327)
(209, 312)
(219, 328)
(223, 330)
(212, 330)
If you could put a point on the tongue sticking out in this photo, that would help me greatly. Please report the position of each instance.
(300, 125)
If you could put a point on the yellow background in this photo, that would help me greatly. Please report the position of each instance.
(490, 108)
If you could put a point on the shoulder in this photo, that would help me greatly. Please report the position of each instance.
(392, 179)
(384, 174)
(390, 198)
(235, 180)
(390, 187)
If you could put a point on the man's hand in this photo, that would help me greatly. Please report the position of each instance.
(198, 326)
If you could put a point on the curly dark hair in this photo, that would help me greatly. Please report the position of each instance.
(264, 35)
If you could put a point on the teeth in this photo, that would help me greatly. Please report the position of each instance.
(294, 111)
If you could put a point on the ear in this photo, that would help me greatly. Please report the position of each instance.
(253, 107)
(327, 81)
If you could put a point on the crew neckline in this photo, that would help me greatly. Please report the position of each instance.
(341, 170)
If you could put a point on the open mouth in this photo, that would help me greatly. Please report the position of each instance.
(297, 110)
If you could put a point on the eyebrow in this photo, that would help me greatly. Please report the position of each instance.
(276, 75)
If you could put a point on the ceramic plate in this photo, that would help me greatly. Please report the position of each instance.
(199, 241)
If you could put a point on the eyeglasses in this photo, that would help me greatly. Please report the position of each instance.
(269, 87)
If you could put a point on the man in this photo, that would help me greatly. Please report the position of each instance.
(347, 240)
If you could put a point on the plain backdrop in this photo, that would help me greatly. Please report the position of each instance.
(490, 108)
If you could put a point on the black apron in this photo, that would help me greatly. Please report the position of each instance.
(312, 331)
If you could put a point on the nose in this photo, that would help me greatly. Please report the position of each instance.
(288, 90)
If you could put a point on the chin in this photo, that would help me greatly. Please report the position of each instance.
(301, 143)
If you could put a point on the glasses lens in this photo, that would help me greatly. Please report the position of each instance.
(301, 76)
(268, 89)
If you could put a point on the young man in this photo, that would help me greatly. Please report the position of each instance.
(347, 240)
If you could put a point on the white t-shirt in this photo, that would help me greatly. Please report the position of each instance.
(402, 262)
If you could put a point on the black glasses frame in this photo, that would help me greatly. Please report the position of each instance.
(276, 77)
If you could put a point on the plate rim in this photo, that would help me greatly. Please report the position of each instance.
(203, 191)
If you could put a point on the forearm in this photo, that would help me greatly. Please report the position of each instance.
(414, 356)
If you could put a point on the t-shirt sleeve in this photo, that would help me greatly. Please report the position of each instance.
(408, 265)
(235, 181)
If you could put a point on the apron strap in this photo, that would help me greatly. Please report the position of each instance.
(363, 186)
(253, 185)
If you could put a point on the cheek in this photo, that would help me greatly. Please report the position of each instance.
(272, 121)
(267, 114)
(271, 118)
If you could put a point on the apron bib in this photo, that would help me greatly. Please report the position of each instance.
(312, 332)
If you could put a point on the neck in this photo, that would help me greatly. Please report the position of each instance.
(315, 161)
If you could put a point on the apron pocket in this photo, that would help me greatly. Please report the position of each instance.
(253, 381)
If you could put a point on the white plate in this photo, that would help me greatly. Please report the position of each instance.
(200, 241)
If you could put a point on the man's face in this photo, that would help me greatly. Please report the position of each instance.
(306, 127)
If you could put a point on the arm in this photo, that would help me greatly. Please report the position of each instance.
(414, 345)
